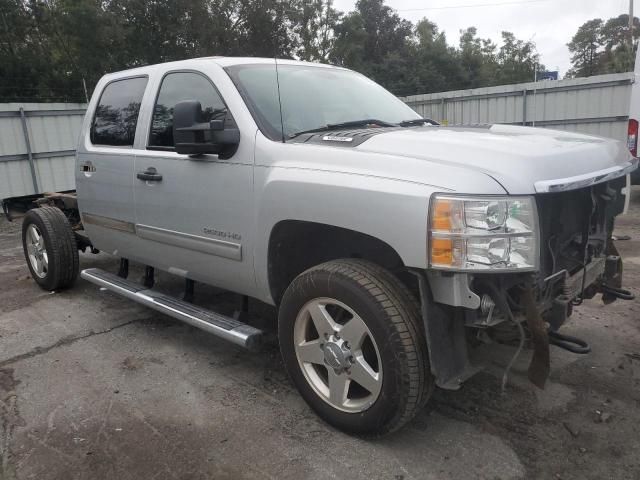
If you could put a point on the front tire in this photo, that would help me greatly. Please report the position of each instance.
(50, 248)
(351, 339)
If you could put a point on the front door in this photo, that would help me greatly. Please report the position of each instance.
(194, 213)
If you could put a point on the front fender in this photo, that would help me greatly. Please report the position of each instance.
(392, 211)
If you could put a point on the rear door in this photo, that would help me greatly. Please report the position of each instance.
(195, 220)
(104, 174)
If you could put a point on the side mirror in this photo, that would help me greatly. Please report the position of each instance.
(193, 135)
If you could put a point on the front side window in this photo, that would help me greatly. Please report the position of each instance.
(116, 117)
(313, 97)
(179, 87)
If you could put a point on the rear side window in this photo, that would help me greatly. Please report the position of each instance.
(179, 87)
(116, 117)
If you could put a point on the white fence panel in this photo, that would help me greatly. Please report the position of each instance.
(596, 105)
(44, 159)
(37, 147)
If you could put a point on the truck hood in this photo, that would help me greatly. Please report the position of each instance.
(523, 160)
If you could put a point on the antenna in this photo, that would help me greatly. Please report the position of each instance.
(275, 58)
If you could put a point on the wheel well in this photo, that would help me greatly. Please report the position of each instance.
(295, 246)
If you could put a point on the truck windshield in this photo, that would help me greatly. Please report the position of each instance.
(313, 97)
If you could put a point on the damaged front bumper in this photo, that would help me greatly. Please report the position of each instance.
(446, 326)
(578, 261)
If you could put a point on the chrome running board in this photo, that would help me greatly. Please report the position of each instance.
(220, 325)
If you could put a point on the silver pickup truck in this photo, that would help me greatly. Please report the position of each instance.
(388, 243)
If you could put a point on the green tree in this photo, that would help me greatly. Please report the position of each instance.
(478, 59)
(438, 66)
(28, 69)
(614, 37)
(313, 29)
(585, 48)
(50, 48)
(600, 47)
(374, 40)
(517, 60)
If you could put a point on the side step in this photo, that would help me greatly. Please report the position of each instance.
(224, 327)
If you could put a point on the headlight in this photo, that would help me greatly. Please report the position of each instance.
(483, 233)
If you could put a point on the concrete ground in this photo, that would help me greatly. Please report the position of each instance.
(95, 387)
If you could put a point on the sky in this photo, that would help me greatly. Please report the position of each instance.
(548, 23)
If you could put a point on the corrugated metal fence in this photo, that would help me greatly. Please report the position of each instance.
(37, 147)
(37, 140)
(597, 105)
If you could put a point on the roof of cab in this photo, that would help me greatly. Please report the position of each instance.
(222, 61)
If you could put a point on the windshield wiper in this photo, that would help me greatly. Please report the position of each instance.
(353, 123)
(417, 121)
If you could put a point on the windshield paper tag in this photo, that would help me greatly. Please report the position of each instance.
(333, 138)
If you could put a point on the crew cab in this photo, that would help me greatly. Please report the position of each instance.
(382, 238)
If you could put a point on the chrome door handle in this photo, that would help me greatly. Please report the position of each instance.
(87, 167)
(150, 175)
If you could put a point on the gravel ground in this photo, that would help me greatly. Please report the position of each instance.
(95, 387)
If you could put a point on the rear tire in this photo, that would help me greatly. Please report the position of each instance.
(50, 248)
(386, 357)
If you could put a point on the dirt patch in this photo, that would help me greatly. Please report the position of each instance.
(10, 419)
(136, 363)
(7, 382)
